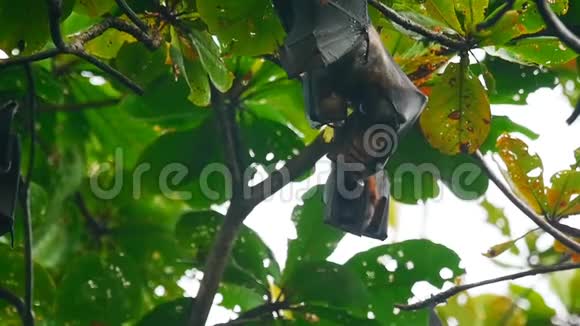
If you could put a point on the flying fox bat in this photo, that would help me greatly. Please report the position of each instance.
(343, 64)
(9, 168)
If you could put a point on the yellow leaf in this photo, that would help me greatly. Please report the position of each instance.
(524, 172)
(499, 249)
(457, 117)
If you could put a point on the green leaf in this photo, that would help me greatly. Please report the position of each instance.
(249, 28)
(525, 172)
(236, 295)
(315, 240)
(171, 313)
(198, 83)
(523, 19)
(140, 64)
(326, 316)
(24, 26)
(328, 285)
(12, 276)
(158, 257)
(100, 290)
(108, 44)
(471, 13)
(165, 105)
(496, 217)
(502, 124)
(187, 165)
(542, 50)
(93, 8)
(514, 82)
(270, 142)
(566, 284)
(416, 166)
(209, 54)
(538, 313)
(457, 117)
(389, 272)
(444, 11)
(251, 260)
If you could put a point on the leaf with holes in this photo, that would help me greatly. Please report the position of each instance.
(390, 272)
(524, 172)
(537, 312)
(564, 195)
(105, 291)
(251, 263)
(496, 217)
(327, 284)
(457, 118)
(315, 240)
(170, 313)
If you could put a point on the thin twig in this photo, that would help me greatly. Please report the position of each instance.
(561, 31)
(132, 15)
(15, 301)
(543, 224)
(257, 313)
(443, 296)
(408, 24)
(29, 262)
(575, 114)
(509, 5)
(96, 228)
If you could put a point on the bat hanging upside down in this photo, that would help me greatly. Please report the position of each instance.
(343, 64)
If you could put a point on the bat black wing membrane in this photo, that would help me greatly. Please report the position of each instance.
(320, 32)
(9, 169)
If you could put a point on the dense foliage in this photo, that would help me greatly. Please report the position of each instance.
(110, 242)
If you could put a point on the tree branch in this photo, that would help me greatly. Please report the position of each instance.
(509, 5)
(408, 24)
(293, 169)
(443, 296)
(239, 209)
(561, 31)
(542, 223)
(132, 15)
(15, 301)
